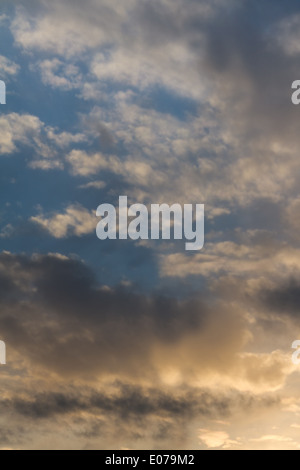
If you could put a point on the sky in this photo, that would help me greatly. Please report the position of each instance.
(123, 344)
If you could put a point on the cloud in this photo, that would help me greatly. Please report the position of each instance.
(69, 79)
(8, 67)
(89, 164)
(84, 164)
(96, 331)
(19, 131)
(288, 34)
(46, 29)
(120, 413)
(234, 148)
(108, 25)
(235, 259)
(89, 315)
(273, 438)
(76, 220)
(128, 402)
(94, 185)
(46, 165)
(283, 298)
(214, 439)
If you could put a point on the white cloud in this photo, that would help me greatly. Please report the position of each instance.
(20, 129)
(76, 220)
(8, 67)
(233, 259)
(88, 164)
(59, 75)
(101, 26)
(93, 185)
(131, 67)
(213, 439)
(87, 27)
(64, 139)
(25, 130)
(84, 164)
(272, 438)
(46, 165)
(209, 155)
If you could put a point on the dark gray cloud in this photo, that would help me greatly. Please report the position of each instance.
(283, 299)
(133, 402)
(238, 51)
(107, 419)
(54, 312)
(252, 74)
